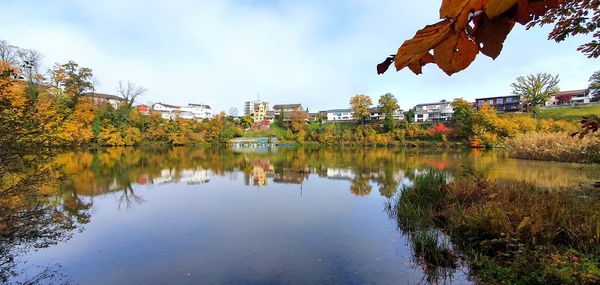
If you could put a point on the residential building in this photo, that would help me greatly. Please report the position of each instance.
(191, 111)
(257, 109)
(286, 108)
(433, 112)
(376, 114)
(169, 112)
(144, 109)
(509, 103)
(336, 115)
(313, 117)
(200, 111)
(570, 98)
(100, 98)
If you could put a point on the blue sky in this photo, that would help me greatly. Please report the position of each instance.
(318, 53)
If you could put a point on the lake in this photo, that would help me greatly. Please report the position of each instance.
(243, 216)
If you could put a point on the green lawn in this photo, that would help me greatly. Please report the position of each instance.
(574, 113)
(273, 131)
(568, 114)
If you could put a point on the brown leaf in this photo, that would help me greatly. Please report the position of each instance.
(417, 66)
(524, 12)
(492, 34)
(540, 7)
(383, 67)
(423, 41)
(455, 53)
(459, 10)
(494, 8)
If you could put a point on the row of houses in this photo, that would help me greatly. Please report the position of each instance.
(442, 111)
(429, 112)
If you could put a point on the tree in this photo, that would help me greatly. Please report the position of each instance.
(130, 92)
(298, 120)
(388, 104)
(360, 107)
(594, 87)
(233, 111)
(410, 115)
(71, 80)
(471, 26)
(535, 89)
(247, 121)
(463, 117)
(9, 53)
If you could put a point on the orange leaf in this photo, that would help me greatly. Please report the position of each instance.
(423, 41)
(492, 34)
(496, 7)
(459, 10)
(455, 53)
(417, 65)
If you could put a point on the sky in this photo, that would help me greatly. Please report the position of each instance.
(317, 53)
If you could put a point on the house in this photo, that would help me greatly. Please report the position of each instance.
(313, 117)
(337, 115)
(286, 108)
(509, 103)
(570, 98)
(100, 98)
(200, 111)
(433, 112)
(169, 112)
(376, 114)
(257, 109)
(191, 111)
(144, 109)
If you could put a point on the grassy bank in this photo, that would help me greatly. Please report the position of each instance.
(565, 113)
(570, 114)
(555, 147)
(507, 232)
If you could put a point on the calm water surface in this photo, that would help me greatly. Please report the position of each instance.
(262, 216)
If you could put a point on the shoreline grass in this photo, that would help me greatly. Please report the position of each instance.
(507, 232)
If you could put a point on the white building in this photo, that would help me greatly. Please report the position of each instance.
(191, 111)
(337, 115)
(433, 112)
(570, 98)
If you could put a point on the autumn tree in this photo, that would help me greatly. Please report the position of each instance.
(594, 87)
(387, 105)
(535, 89)
(247, 121)
(472, 26)
(298, 120)
(360, 105)
(130, 92)
(71, 80)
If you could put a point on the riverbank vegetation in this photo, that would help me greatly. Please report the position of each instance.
(506, 231)
(556, 147)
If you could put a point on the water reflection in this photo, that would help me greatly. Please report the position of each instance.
(117, 169)
(205, 199)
